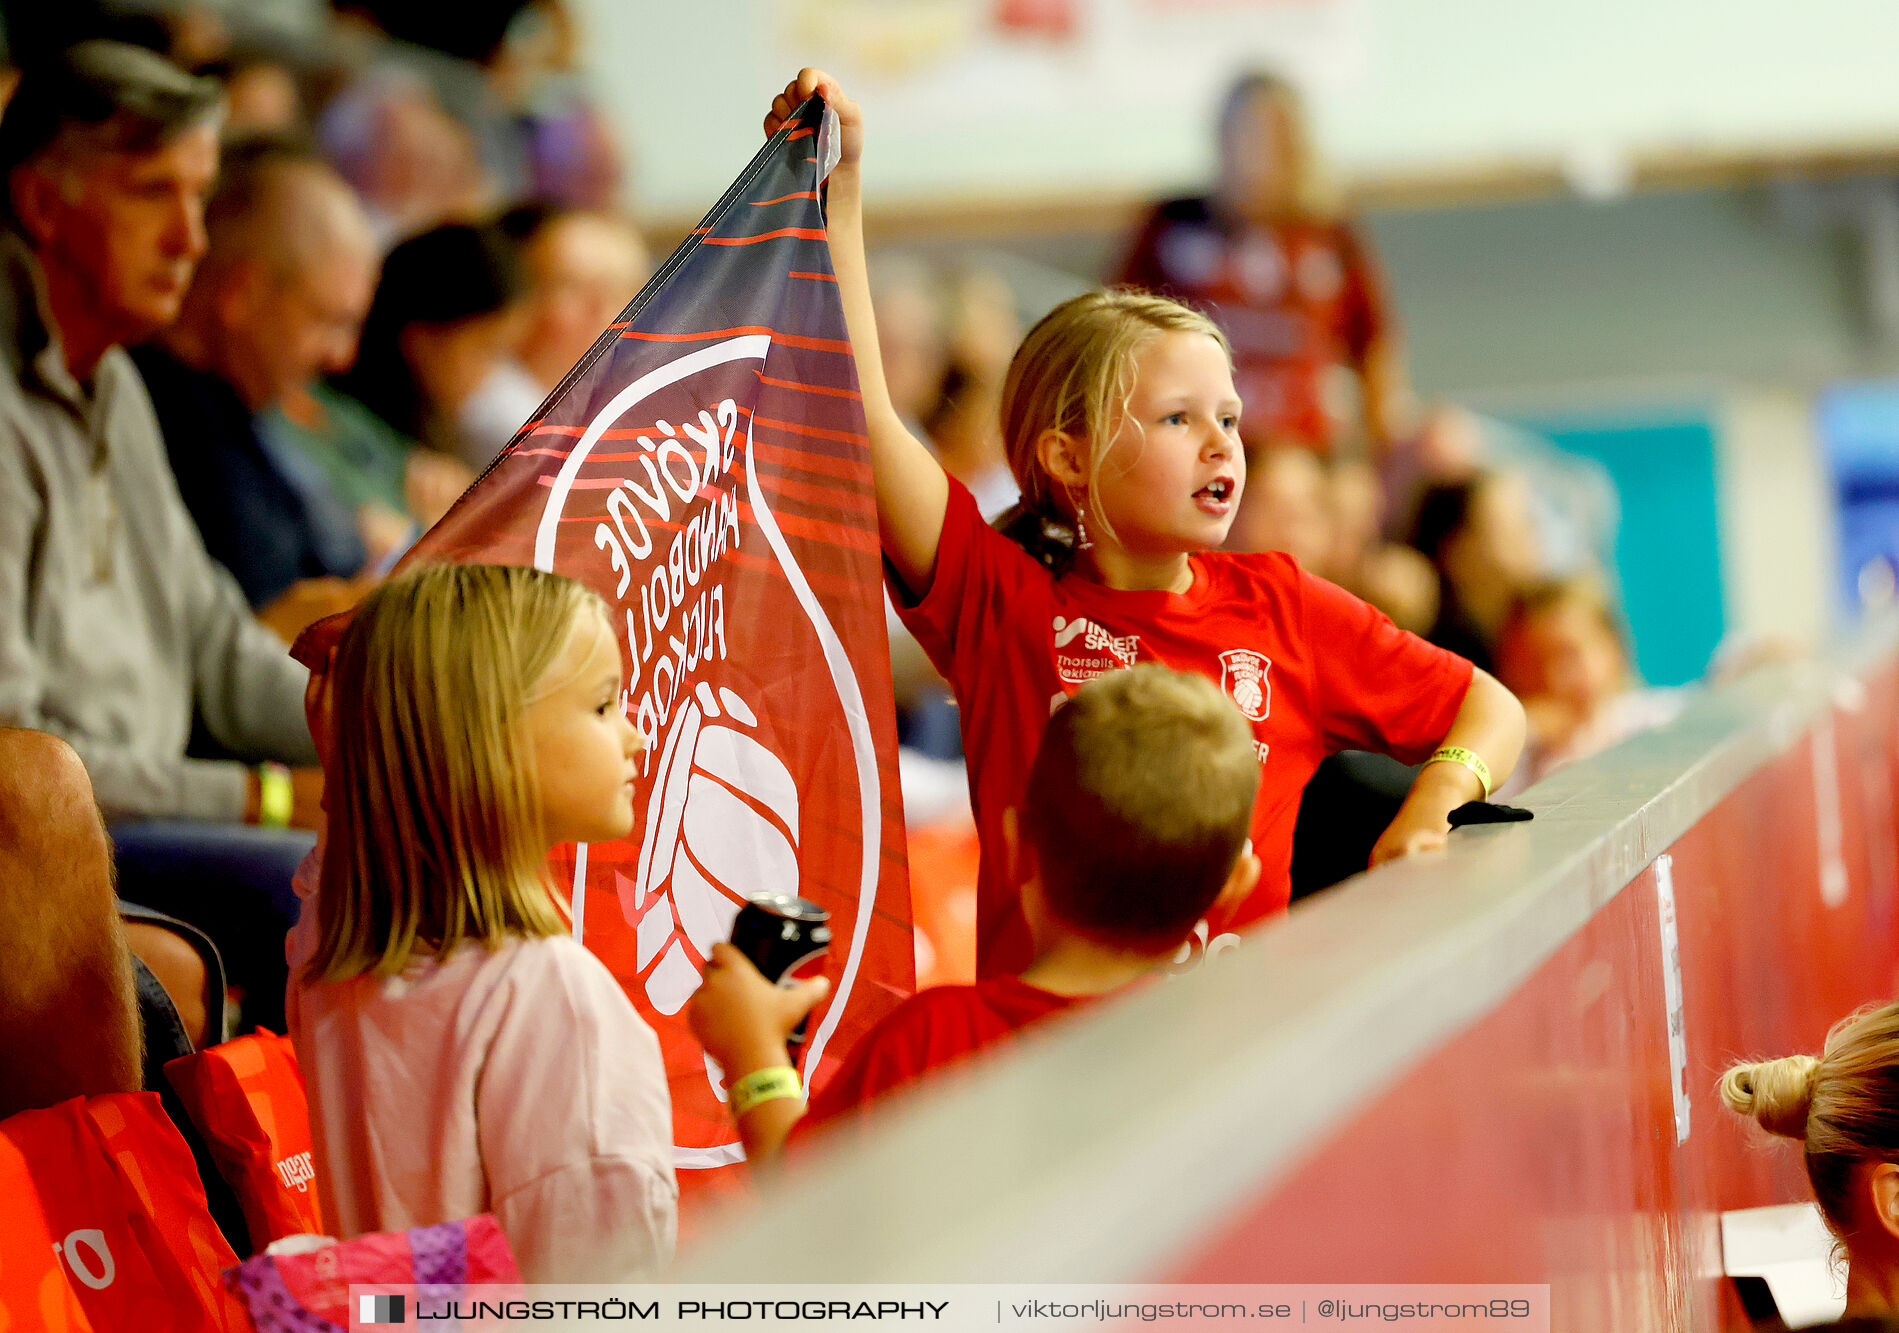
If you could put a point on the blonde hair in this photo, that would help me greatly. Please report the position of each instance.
(1139, 802)
(1074, 373)
(1843, 1105)
(434, 803)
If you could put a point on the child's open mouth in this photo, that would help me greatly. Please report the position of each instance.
(1216, 497)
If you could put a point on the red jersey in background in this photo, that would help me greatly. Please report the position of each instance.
(1301, 303)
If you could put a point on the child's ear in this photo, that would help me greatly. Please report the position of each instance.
(1883, 1183)
(1240, 881)
(1063, 458)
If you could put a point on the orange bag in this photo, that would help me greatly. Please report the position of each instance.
(104, 1225)
(246, 1098)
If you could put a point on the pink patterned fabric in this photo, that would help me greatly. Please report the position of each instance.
(309, 1292)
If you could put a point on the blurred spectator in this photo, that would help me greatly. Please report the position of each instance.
(1291, 283)
(1480, 537)
(915, 360)
(581, 270)
(436, 361)
(369, 464)
(1284, 507)
(117, 628)
(263, 97)
(1328, 517)
(1394, 578)
(962, 425)
(279, 297)
(910, 336)
(573, 156)
(1561, 652)
(412, 162)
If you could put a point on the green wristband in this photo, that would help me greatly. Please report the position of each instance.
(765, 1085)
(1457, 754)
(276, 796)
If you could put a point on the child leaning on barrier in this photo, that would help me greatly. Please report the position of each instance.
(1121, 423)
(1132, 829)
(463, 1054)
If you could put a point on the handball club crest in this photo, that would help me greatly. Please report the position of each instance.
(1243, 677)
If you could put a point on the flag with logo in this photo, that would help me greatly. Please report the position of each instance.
(705, 469)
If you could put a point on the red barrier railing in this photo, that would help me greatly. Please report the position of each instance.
(1456, 1070)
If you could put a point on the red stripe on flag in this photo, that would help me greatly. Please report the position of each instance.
(831, 534)
(804, 133)
(830, 496)
(804, 233)
(782, 339)
(815, 277)
(802, 194)
(845, 469)
(811, 344)
(827, 390)
(813, 432)
(575, 432)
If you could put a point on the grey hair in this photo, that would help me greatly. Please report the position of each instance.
(102, 96)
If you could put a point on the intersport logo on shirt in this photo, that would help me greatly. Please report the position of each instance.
(1085, 651)
(705, 469)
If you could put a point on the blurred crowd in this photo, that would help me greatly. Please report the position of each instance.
(419, 225)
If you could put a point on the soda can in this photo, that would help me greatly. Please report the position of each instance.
(783, 935)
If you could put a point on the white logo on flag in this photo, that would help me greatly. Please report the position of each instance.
(710, 847)
(706, 847)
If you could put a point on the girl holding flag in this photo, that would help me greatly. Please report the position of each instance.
(1122, 429)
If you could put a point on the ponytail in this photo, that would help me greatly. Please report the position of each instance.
(1048, 536)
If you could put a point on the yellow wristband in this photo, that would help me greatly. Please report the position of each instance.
(1457, 754)
(765, 1085)
(276, 797)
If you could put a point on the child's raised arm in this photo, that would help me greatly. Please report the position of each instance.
(912, 489)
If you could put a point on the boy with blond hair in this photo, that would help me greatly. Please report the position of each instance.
(1133, 829)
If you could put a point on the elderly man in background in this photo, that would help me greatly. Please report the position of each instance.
(279, 298)
(116, 629)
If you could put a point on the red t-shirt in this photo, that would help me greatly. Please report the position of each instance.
(1297, 301)
(1311, 666)
(932, 1029)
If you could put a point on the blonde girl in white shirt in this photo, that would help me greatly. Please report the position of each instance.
(462, 1053)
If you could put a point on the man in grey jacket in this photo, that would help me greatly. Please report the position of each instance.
(116, 629)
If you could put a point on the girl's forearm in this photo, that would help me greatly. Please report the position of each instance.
(1490, 725)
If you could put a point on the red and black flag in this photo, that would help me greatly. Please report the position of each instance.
(705, 468)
